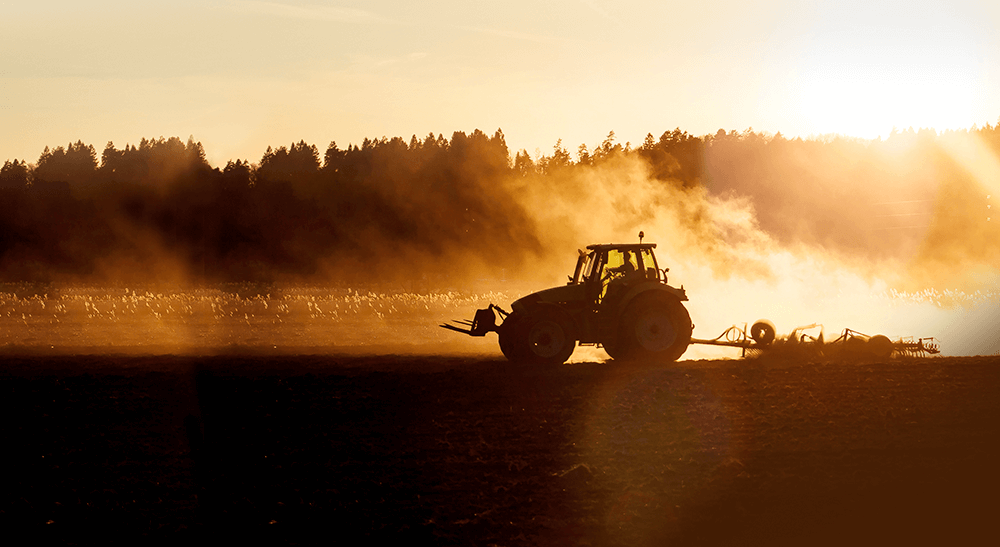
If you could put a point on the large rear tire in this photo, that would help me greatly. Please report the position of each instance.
(654, 328)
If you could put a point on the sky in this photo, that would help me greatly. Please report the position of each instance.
(242, 75)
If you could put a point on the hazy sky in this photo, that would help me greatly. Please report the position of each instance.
(240, 75)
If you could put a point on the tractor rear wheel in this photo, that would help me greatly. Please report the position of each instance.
(654, 327)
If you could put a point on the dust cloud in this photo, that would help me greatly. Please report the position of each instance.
(945, 285)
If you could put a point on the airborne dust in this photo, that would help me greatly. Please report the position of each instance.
(806, 243)
(892, 237)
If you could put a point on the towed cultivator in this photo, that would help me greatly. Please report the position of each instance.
(809, 339)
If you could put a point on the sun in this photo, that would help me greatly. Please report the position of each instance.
(868, 100)
(861, 75)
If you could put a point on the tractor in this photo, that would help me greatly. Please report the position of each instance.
(617, 298)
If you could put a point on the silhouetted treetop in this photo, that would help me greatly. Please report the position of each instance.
(293, 164)
(15, 175)
(75, 163)
(158, 162)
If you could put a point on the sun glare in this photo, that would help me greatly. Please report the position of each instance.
(980, 162)
(868, 103)
(862, 77)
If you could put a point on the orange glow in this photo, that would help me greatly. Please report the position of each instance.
(734, 272)
(305, 70)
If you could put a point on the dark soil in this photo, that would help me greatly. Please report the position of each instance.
(449, 450)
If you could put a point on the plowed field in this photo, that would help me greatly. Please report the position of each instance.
(472, 451)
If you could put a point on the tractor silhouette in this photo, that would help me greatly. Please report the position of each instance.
(617, 298)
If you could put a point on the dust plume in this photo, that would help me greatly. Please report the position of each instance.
(736, 272)
(962, 245)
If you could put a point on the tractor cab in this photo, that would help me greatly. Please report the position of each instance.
(609, 268)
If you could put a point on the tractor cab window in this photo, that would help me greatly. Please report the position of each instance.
(587, 265)
(584, 267)
(619, 266)
(648, 266)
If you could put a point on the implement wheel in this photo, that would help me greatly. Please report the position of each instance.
(880, 346)
(763, 332)
(654, 328)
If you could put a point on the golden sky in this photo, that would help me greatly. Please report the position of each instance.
(240, 75)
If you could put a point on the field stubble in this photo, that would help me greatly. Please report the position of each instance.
(289, 320)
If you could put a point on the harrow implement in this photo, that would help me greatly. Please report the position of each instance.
(761, 337)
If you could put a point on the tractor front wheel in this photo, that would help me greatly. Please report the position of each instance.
(543, 337)
(508, 335)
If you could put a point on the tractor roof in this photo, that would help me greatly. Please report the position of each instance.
(622, 246)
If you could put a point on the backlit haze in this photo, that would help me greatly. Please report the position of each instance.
(244, 75)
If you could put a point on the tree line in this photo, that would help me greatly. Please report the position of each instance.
(391, 209)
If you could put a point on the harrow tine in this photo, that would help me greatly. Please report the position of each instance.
(921, 348)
